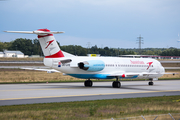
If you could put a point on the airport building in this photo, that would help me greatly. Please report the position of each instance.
(1, 54)
(93, 55)
(7, 53)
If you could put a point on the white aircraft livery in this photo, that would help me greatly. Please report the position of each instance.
(95, 67)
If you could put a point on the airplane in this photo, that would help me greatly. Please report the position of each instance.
(94, 67)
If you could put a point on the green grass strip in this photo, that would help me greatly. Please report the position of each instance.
(98, 109)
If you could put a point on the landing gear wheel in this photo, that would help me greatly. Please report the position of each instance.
(88, 83)
(151, 83)
(116, 84)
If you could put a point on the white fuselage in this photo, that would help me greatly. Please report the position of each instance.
(113, 66)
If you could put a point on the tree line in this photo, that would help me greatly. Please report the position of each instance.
(32, 47)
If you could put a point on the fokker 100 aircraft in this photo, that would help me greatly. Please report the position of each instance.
(95, 67)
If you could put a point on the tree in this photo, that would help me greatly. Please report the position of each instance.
(29, 47)
(23, 45)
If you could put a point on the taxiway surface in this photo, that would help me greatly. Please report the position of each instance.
(14, 94)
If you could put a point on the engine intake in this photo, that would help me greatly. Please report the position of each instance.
(92, 65)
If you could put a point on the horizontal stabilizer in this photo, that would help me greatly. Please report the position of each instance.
(36, 32)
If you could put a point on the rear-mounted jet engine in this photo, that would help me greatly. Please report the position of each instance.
(92, 65)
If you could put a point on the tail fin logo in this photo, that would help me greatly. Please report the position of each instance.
(49, 42)
(149, 64)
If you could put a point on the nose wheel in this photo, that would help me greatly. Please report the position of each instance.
(116, 84)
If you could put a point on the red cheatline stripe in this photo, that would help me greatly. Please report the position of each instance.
(56, 55)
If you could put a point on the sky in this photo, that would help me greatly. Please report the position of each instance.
(111, 23)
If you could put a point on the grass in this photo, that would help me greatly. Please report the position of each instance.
(21, 59)
(168, 59)
(170, 64)
(20, 76)
(21, 64)
(99, 109)
(170, 76)
(26, 76)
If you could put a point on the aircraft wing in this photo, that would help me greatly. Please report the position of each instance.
(158, 73)
(171, 73)
(124, 74)
(48, 70)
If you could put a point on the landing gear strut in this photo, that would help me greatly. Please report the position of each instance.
(150, 81)
(116, 84)
(88, 83)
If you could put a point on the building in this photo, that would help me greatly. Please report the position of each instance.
(1, 54)
(17, 54)
(93, 55)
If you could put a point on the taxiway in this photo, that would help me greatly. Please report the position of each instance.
(14, 94)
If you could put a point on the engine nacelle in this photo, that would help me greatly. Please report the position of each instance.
(92, 65)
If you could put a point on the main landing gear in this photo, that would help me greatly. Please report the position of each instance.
(88, 83)
(116, 84)
(150, 81)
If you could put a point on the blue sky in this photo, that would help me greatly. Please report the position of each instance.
(112, 23)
